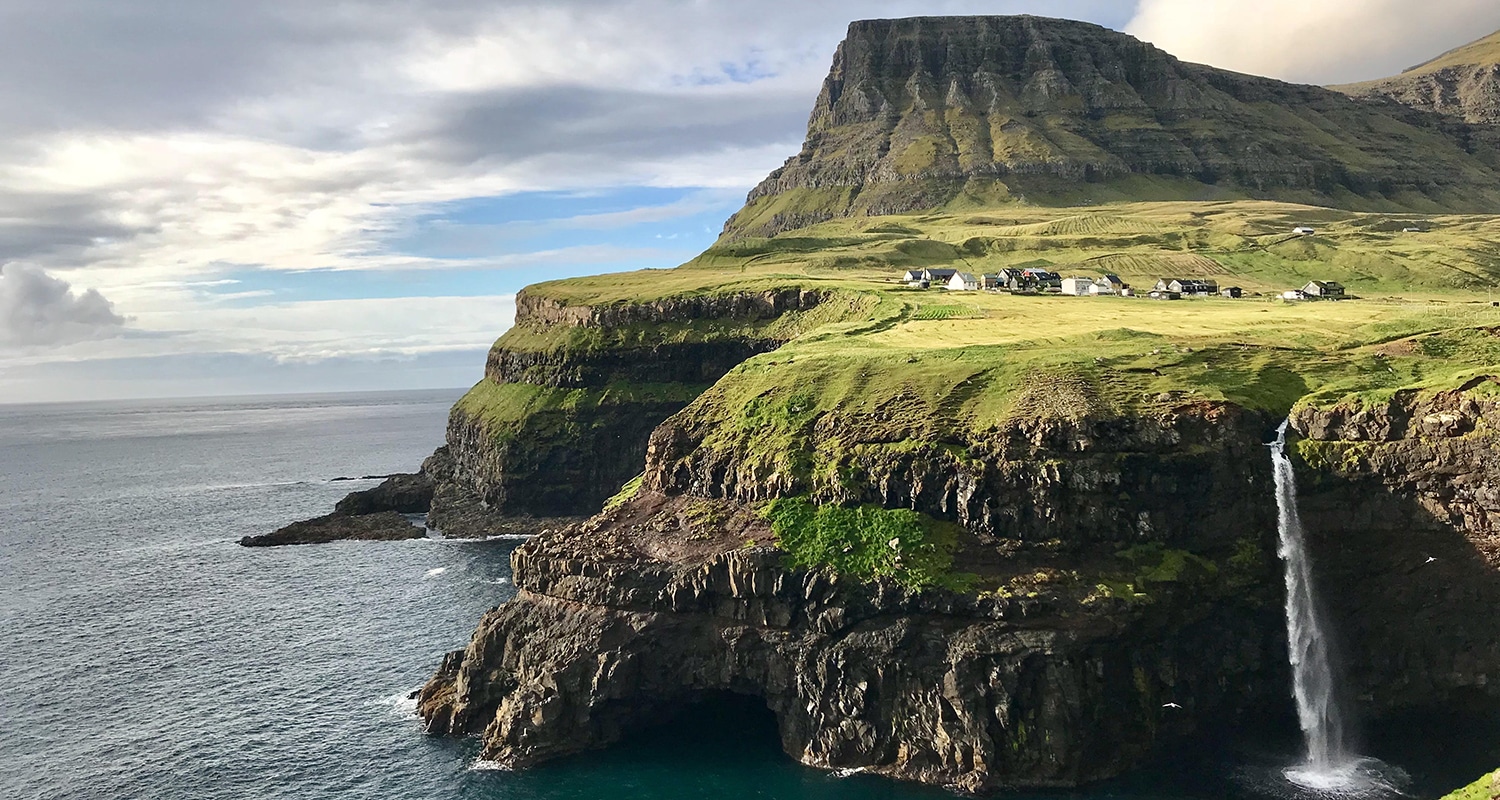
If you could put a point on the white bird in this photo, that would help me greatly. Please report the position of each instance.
(1429, 560)
(1170, 705)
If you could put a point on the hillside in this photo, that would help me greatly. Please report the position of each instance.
(958, 112)
(1462, 84)
(989, 540)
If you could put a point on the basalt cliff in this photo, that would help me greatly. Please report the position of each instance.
(964, 112)
(986, 540)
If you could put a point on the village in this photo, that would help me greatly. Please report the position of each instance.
(1039, 280)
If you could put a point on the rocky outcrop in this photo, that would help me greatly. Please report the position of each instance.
(609, 375)
(1461, 86)
(569, 398)
(404, 494)
(1402, 505)
(1045, 677)
(917, 113)
(384, 526)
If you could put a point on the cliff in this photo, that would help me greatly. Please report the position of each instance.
(1462, 86)
(983, 540)
(572, 392)
(1404, 501)
(1051, 666)
(964, 112)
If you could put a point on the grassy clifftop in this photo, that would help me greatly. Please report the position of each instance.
(1421, 319)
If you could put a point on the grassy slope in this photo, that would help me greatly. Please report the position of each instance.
(976, 354)
(888, 367)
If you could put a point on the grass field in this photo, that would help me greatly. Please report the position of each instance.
(1424, 304)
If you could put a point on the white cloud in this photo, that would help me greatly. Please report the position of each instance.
(1323, 42)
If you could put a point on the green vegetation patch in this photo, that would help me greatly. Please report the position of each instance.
(867, 542)
(1483, 789)
(506, 408)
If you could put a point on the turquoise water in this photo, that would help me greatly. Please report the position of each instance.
(146, 655)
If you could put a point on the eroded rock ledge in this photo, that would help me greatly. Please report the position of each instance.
(1042, 676)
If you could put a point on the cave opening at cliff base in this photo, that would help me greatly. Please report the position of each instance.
(713, 726)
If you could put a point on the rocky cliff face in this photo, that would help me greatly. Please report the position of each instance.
(1048, 677)
(1402, 502)
(918, 113)
(571, 395)
(1462, 86)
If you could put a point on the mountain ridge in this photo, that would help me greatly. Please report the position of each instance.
(1462, 84)
(931, 112)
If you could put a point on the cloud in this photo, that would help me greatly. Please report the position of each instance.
(37, 309)
(152, 148)
(1326, 42)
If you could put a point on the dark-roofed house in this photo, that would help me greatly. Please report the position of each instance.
(1327, 290)
(936, 276)
(1234, 292)
(991, 280)
(1109, 284)
(1045, 280)
(1187, 286)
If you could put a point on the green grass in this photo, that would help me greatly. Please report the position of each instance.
(1485, 788)
(505, 408)
(867, 542)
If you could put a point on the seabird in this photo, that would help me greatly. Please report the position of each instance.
(1170, 705)
(1429, 560)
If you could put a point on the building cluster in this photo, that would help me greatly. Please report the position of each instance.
(1036, 280)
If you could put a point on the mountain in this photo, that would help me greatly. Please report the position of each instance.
(1462, 84)
(936, 112)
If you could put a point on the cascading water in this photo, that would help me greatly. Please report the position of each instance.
(1329, 766)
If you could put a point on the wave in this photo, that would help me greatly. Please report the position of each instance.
(435, 571)
(482, 765)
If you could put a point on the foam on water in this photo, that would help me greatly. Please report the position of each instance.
(434, 572)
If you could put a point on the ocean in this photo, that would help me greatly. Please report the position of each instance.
(145, 655)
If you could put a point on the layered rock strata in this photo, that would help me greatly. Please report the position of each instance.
(1045, 678)
(918, 113)
(1402, 503)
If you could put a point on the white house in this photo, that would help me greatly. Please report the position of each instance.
(1304, 231)
(963, 282)
(1293, 294)
(1077, 287)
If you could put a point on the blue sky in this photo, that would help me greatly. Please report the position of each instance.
(292, 196)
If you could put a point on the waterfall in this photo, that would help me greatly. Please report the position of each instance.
(1307, 642)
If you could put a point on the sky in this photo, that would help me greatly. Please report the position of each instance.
(288, 196)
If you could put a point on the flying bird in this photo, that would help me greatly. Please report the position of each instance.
(1170, 705)
(1429, 560)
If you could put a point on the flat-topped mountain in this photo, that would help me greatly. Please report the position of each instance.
(934, 112)
(1463, 83)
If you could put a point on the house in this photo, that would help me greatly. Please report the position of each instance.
(1077, 287)
(1109, 284)
(1045, 281)
(1127, 292)
(912, 276)
(936, 276)
(963, 282)
(1302, 231)
(1187, 286)
(990, 281)
(1327, 290)
(1293, 294)
(1233, 292)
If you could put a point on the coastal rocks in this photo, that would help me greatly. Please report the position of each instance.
(1402, 504)
(405, 494)
(384, 526)
(676, 596)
